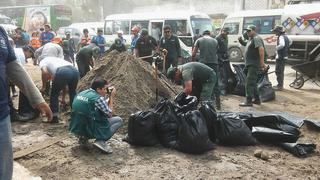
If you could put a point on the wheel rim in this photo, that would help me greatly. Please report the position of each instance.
(298, 82)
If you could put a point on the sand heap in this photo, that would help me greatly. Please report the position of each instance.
(134, 80)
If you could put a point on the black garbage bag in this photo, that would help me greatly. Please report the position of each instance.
(264, 134)
(185, 103)
(142, 129)
(209, 114)
(276, 122)
(193, 134)
(231, 130)
(265, 89)
(167, 125)
(299, 149)
(313, 123)
(241, 80)
(227, 79)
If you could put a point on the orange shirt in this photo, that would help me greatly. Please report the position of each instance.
(85, 41)
(35, 42)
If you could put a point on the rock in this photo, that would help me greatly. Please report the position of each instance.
(265, 156)
(257, 153)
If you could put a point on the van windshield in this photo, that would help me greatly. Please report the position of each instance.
(201, 24)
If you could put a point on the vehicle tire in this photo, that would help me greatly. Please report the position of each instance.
(235, 54)
(298, 82)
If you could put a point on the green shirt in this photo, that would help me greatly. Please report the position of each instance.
(172, 45)
(196, 71)
(90, 50)
(208, 47)
(252, 56)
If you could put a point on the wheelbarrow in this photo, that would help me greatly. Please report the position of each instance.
(305, 72)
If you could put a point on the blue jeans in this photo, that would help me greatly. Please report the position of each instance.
(65, 76)
(6, 154)
(115, 123)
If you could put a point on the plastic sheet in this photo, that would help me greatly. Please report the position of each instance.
(299, 149)
(210, 116)
(185, 103)
(264, 134)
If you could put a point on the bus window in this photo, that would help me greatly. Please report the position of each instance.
(108, 28)
(264, 24)
(199, 25)
(233, 27)
(140, 24)
(121, 25)
(178, 27)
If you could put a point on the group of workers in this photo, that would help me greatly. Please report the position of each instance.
(92, 115)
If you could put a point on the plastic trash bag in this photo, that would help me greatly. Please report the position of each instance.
(313, 123)
(142, 129)
(299, 149)
(264, 134)
(231, 130)
(167, 125)
(193, 134)
(209, 114)
(240, 79)
(265, 89)
(185, 103)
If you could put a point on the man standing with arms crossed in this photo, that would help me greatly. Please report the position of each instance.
(208, 47)
(254, 62)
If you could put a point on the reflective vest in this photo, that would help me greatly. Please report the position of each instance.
(86, 119)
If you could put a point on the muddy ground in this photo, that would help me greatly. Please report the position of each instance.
(66, 160)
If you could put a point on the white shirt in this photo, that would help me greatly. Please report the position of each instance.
(53, 63)
(51, 50)
(20, 55)
(282, 44)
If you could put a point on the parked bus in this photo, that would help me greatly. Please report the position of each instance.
(265, 20)
(95, 26)
(31, 18)
(301, 21)
(186, 25)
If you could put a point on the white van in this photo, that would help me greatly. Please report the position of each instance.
(185, 24)
(95, 26)
(264, 20)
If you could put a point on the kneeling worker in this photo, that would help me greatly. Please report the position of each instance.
(198, 79)
(91, 116)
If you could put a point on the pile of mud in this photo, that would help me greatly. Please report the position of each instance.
(134, 80)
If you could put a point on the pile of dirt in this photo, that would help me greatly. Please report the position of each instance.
(134, 80)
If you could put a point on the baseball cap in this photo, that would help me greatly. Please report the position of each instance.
(171, 72)
(250, 28)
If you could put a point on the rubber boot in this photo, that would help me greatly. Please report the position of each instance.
(257, 100)
(218, 103)
(247, 103)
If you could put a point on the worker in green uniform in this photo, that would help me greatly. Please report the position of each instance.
(208, 47)
(91, 116)
(117, 45)
(198, 79)
(69, 47)
(84, 58)
(254, 62)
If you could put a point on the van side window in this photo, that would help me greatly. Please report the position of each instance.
(121, 25)
(141, 24)
(108, 28)
(178, 27)
(264, 23)
(233, 27)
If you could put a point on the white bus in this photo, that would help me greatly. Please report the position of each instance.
(265, 20)
(186, 25)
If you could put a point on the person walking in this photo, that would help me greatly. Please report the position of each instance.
(283, 44)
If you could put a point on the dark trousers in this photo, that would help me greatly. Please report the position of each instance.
(25, 107)
(251, 85)
(216, 89)
(65, 76)
(83, 64)
(280, 65)
(169, 62)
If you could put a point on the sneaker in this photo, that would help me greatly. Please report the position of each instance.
(103, 146)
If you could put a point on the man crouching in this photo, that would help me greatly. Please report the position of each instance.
(91, 116)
